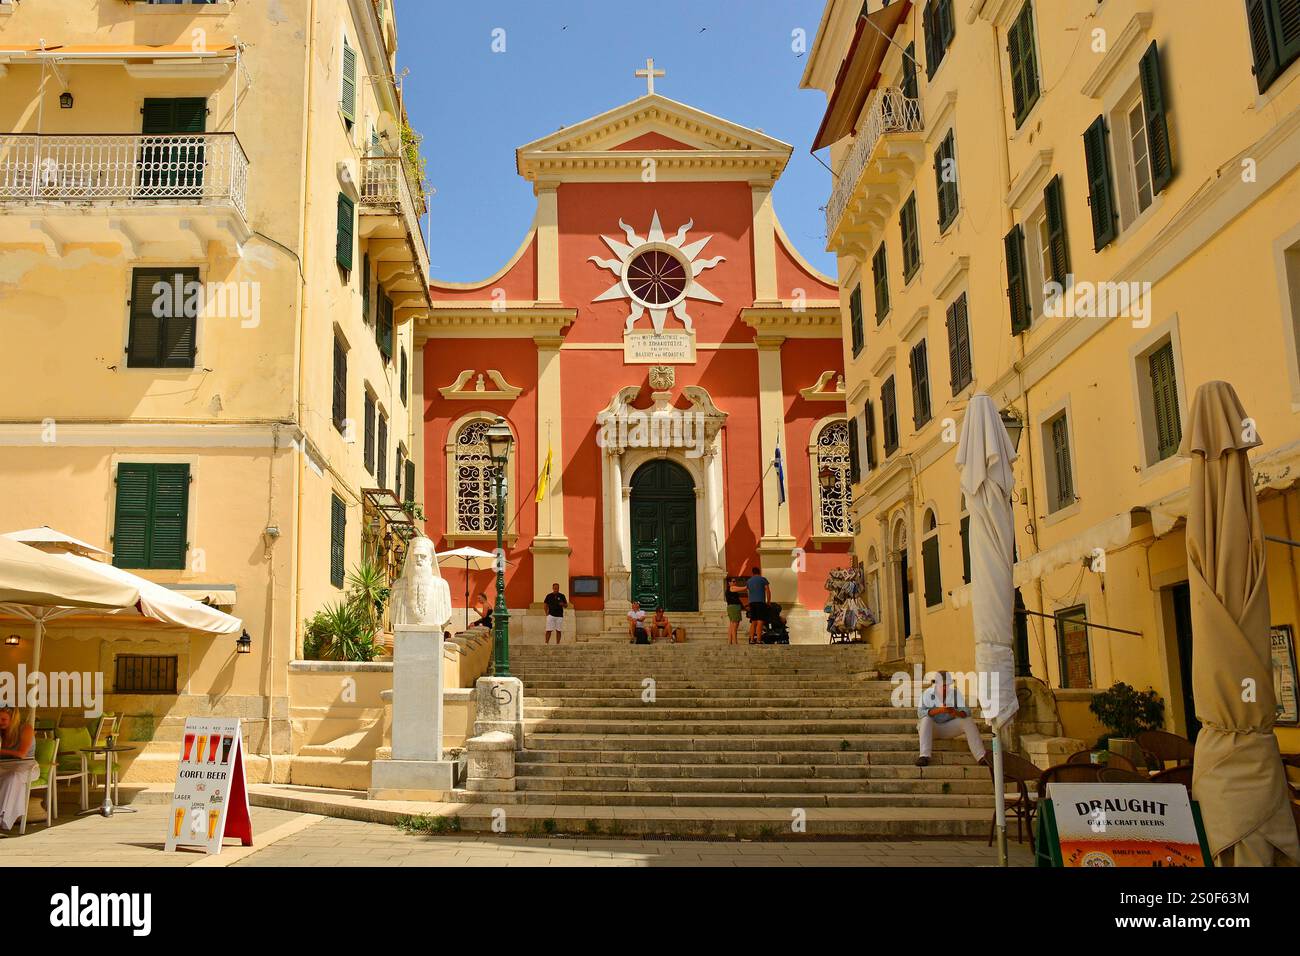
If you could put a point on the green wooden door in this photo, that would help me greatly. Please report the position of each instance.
(663, 537)
(172, 155)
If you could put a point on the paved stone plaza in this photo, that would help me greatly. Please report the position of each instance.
(287, 838)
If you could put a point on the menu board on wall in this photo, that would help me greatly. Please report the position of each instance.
(1282, 643)
(210, 801)
(1126, 824)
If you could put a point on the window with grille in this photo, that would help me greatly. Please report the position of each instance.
(144, 674)
(833, 451)
(1072, 645)
(475, 485)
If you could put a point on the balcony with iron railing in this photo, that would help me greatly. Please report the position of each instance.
(881, 136)
(391, 203)
(143, 181)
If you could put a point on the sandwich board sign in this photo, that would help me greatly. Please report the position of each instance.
(210, 801)
(1122, 824)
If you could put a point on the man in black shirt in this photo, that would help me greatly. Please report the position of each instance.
(555, 604)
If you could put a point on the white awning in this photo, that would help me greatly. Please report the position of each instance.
(1107, 535)
(163, 604)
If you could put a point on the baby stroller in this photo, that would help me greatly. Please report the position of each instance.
(774, 629)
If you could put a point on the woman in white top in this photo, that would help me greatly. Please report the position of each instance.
(17, 766)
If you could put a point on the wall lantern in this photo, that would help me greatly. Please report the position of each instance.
(1014, 426)
(65, 100)
(244, 645)
(12, 640)
(826, 477)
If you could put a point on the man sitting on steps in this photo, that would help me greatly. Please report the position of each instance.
(942, 712)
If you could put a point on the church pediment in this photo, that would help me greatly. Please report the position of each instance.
(678, 136)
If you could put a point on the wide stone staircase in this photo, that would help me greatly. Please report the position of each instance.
(701, 738)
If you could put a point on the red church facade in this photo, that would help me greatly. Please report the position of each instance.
(659, 338)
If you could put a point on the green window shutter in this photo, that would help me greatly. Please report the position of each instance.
(384, 326)
(150, 516)
(965, 549)
(340, 385)
(911, 241)
(1153, 108)
(165, 340)
(381, 453)
(855, 468)
(405, 373)
(1259, 22)
(365, 287)
(946, 188)
(930, 561)
(338, 539)
(931, 47)
(889, 415)
(409, 483)
(1058, 241)
(397, 475)
(168, 543)
(920, 367)
(1024, 65)
(869, 433)
(855, 319)
(172, 116)
(346, 232)
(348, 95)
(909, 72)
(132, 516)
(880, 277)
(1017, 280)
(368, 436)
(1286, 14)
(1101, 194)
(1064, 490)
(1164, 401)
(959, 360)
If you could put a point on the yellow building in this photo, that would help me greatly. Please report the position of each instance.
(210, 260)
(1143, 154)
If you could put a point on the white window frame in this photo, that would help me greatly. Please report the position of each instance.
(1050, 414)
(1143, 400)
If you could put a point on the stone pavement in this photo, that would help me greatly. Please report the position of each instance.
(288, 838)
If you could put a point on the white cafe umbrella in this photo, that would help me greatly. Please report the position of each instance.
(163, 604)
(47, 539)
(984, 456)
(40, 587)
(475, 560)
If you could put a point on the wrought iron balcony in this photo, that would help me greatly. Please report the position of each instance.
(890, 112)
(194, 168)
(390, 207)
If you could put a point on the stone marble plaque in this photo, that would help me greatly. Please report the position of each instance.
(669, 347)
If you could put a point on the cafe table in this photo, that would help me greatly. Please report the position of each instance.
(107, 808)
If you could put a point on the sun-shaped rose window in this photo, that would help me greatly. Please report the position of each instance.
(656, 277)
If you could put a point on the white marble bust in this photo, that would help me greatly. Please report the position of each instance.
(420, 595)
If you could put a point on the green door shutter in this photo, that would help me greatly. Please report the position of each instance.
(338, 539)
(1022, 312)
(365, 287)
(348, 94)
(132, 516)
(1058, 241)
(1101, 195)
(909, 71)
(346, 232)
(1164, 401)
(1153, 108)
(930, 565)
(340, 385)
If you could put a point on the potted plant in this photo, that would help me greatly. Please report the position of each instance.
(350, 629)
(1126, 712)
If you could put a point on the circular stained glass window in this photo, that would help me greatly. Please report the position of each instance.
(656, 277)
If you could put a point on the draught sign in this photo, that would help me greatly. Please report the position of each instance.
(210, 801)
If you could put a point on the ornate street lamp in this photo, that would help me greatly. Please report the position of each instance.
(499, 440)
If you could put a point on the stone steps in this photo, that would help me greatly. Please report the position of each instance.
(730, 727)
(662, 701)
(641, 798)
(812, 710)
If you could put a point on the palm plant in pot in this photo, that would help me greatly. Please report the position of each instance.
(350, 629)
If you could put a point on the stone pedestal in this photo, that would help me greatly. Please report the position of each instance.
(491, 762)
(416, 770)
(500, 707)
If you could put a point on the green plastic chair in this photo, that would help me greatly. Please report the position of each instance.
(46, 752)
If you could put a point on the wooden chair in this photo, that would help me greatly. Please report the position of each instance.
(1181, 774)
(1016, 769)
(1160, 746)
(1069, 773)
(1120, 775)
(47, 749)
(1118, 761)
(1079, 756)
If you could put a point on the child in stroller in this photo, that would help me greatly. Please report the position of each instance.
(774, 628)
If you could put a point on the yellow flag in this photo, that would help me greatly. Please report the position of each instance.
(544, 478)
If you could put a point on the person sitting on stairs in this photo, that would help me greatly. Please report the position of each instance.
(942, 713)
(660, 628)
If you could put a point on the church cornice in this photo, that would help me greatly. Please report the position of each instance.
(814, 320)
(749, 165)
(472, 320)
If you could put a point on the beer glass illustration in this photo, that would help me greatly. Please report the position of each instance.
(227, 744)
(198, 754)
(180, 819)
(213, 816)
(213, 743)
(189, 745)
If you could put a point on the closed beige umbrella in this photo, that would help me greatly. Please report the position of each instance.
(1237, 777)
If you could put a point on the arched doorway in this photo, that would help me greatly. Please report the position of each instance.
(663, 537)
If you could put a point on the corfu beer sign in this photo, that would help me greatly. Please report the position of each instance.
(210, 801)
(1130, 824)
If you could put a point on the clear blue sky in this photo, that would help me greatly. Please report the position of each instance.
(567, 60)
